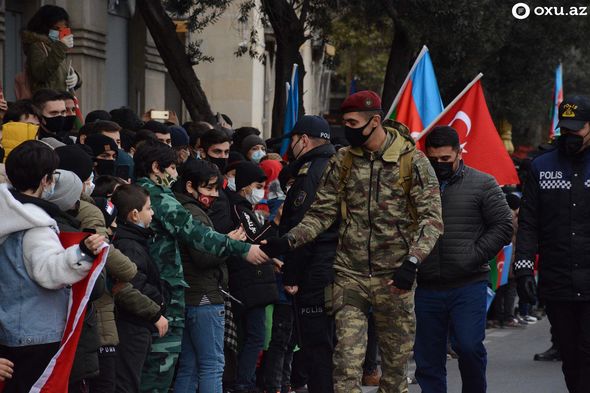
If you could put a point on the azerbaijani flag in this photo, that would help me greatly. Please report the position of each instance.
(292, 110)
(418, 101)
(557, 98)
(500, 267)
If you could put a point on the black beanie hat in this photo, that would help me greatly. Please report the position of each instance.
(156, 127)
(126, 118)
(234, 159)
(100, 143)
(247, 173)
(73, 158)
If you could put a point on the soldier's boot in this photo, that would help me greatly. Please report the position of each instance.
(550, 355)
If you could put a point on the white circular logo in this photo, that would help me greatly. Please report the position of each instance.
(521, 10)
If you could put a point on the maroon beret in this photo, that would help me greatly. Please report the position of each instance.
(362, 101)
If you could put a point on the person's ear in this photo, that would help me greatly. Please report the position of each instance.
(156, 168)
(376, 121)
(189, 187)
(134, 215)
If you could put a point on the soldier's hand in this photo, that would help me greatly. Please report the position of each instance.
(291, 289)
(276, 246)
(238, 234)
(162, 326)
(405, 275)
(526, 288)
(256, 256)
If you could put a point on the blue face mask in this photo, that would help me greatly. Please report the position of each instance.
(54, 35)
(258, 155)
(48, 192)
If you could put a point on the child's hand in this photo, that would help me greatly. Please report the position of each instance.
(93, 243)
(5, 369)
(162, 326)
(238, 234)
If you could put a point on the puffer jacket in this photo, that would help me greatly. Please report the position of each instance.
(47, 64)
(478, 223)
(14, 133)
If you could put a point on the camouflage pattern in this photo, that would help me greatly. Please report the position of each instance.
(172, 224)
(395, 324)
(378, 232)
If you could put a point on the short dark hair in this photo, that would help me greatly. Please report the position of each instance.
(241, 133)
(370, 114)
(66, 95)
(105, 185)
(148, 153)
(126, 118)
(213, 137)
(29, 163)
(198, 172)
(46, 17)
(195, 130)
(127, 198)
(141, 136)
(20, 108)
(106, 126)
(43, 96)
(156, 127)
(443, 136)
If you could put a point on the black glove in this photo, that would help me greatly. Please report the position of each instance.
(405, 275)
(276, 246)
(526, 288)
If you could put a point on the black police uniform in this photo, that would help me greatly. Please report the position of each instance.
(311, 268)
(554, 222)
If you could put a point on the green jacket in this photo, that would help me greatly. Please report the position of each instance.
(205, 274)
(378, 232)
(174, 225)
(47, 65)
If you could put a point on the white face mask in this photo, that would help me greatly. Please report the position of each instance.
(88, 188)
(231, 183)
(48, 192)
(255, 196)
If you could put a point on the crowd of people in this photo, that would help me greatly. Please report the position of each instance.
(231, 267)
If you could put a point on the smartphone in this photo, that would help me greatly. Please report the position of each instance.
(122, 172)
(89, 230)
(160, 115)
(66, 31)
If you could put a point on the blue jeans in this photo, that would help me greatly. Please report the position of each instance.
(253, 326)
(200, 367)
(460, 312)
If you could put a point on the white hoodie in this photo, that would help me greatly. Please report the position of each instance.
(47, 262)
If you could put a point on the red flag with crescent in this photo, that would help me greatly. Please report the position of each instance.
(482, 146)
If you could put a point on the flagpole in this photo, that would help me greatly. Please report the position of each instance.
(448, 107)
(399, 93)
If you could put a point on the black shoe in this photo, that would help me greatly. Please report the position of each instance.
(550, 355)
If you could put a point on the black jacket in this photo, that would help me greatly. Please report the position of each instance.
(478, 223)
(253, 285)
(220, 213)
(132, 240)
(554, 222)
(311, 266)
(205, 274)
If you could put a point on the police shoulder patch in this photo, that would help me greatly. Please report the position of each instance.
(304, 169)
(300, 198)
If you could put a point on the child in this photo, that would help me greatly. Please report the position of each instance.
(131, 238)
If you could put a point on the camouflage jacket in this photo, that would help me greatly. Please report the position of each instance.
(173, 224)
(378, 232)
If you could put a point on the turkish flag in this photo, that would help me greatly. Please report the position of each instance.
(482, 146)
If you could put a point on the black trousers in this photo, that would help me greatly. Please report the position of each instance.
(277, 361)
(107, 363)
(317, 346)
(570, 322)
(134, 345)
(29, 364)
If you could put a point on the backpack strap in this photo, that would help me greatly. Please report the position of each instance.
(405, 180)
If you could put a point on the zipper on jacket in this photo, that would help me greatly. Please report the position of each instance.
(402, 236)
(370, 221)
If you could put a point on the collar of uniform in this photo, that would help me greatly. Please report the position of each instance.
(395, 145)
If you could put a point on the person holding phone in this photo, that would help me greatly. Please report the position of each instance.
(46, 43)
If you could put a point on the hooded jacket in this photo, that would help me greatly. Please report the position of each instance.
(46, 62)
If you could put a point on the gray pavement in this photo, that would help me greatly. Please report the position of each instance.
(510, 363)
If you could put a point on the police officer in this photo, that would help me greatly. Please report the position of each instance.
(308, 270)
(387, 195)
(554, 223)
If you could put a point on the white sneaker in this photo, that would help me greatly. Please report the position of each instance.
(530, 319)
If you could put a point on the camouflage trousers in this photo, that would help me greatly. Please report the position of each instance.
(158, 371)
(352, 297)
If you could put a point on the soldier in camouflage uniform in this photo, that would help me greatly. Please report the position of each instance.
(156, 170)
(387, 194)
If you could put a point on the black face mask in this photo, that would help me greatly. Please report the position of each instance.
(69, 122)
(355, 136)
(444, 170)
(105, 167)
(221, 163)
(571, 144)
(55, 124)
